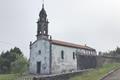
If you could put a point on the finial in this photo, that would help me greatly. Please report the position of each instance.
(43, 4)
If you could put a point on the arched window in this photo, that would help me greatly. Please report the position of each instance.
(62, 54)
(44, 32)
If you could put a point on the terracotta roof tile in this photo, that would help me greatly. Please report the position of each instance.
(57, 42)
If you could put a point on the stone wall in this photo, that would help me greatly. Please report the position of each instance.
(88, 61)
(63, 76)
(106, 59)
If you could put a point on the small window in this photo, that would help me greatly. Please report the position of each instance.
(39, 52)
(73, 55)
(62, 54)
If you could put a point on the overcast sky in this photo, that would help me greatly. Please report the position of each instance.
(92, 22)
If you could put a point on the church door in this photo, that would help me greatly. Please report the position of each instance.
(38, 67)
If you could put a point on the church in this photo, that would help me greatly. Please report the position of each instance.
(48, 56)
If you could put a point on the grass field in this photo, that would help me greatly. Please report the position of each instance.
(97, 73)
(8, 77)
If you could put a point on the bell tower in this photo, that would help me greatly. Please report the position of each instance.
(40, 49)
(42, 25)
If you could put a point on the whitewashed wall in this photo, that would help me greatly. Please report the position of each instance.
(67, 64)
(44, 57)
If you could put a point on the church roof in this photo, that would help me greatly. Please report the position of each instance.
(68, 44)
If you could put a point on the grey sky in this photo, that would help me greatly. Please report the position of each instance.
(92, 22)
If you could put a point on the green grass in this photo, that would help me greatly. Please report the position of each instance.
(8, 76)
(95, 74)
(98, 73)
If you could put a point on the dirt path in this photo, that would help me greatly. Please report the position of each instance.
(114, 76)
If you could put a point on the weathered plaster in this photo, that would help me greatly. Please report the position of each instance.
(44, 57)
(67, 64)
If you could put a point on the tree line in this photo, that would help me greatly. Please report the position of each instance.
(114, 53)
(13, 61)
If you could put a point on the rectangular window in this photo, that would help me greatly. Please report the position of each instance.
(62, 54)
(73, 55)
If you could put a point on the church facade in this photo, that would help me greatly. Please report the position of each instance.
(48, 56)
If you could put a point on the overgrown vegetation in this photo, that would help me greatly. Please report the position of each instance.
(97, 73)
(13, 61)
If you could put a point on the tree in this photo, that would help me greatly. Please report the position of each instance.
(10, 58)
(19, 65)
(117, 50)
